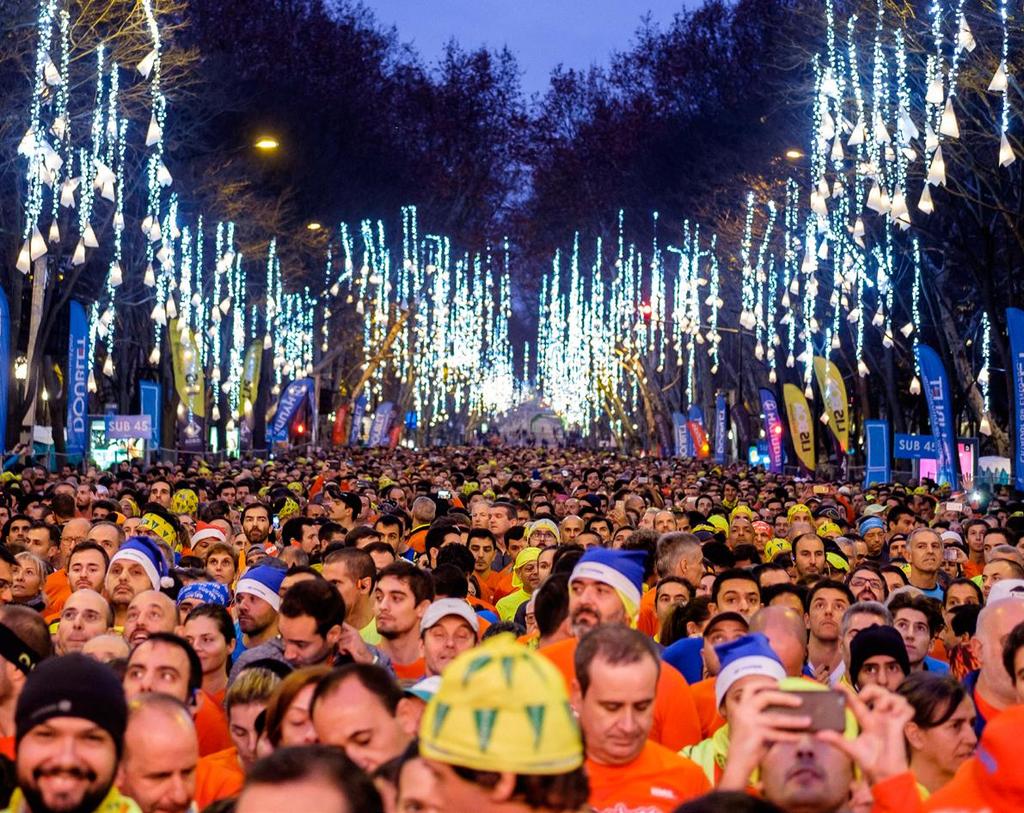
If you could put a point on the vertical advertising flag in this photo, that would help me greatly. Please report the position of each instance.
(5, 365)
(295, 395)
(772, 429)
(358, 411)
(680, 434)
(1015, 327)
(801, 425)
(190, 384)
(833, 393)
(721, 427)
(249, 390)
(338, 433)
(940, 410)
(698, 436)
(77, 382)
(149, 404)
(380, 424)
(877, 468)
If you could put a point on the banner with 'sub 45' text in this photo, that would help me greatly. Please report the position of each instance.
(940, 410)
(1015, 327)
(77, 382)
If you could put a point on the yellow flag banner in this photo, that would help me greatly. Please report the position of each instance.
(833, 392)
(801, 425)
(189, 380)
(250, 378)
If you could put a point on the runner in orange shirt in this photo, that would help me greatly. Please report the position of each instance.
(613, 694)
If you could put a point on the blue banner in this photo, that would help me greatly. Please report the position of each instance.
(721, 428)
(357, 420)
(380, 424)
(77, 381)
(877, 468)
(149, 404)
(296, 394)
(5, 365)
(1015, 327)
(940, 410)
(681, 435)
(772, 429)
(915, 447)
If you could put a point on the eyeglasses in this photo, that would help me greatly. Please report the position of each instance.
(857, 584)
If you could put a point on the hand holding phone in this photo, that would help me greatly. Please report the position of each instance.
(826, 710)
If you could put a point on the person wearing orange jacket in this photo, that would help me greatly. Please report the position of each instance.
(604, 588)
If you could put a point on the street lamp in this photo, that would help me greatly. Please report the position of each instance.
(793, 154)
(314, 226)
(267, 143)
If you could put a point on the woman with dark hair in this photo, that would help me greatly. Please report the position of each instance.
(288, 721)
(211, 633)
(941, 736)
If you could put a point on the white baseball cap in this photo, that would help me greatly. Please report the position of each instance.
(1006, 588)
(449, 606)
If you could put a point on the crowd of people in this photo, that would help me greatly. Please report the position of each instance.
(466, 630)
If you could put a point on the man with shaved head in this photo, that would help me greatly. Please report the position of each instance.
(161, 752)
(786, 631)
(991, 686)
(86, 615)
(150, 611)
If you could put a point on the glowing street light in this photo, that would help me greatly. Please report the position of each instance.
(314, 226)
(267, 144)
(793, 154)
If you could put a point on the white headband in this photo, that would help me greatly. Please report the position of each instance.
(260, 590)
(139, 558)
(607, 575)
(744, 667)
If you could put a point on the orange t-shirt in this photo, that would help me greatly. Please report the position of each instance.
(7, 747)
(985, 709)
(676, 723)
(418, 539)
(487, 585)
(211, 725)
(657, 779)
(57, 589)
(648, 622)
(972, 569)
(707, 709)
(501, 585)
(409, 673)
(218, 776)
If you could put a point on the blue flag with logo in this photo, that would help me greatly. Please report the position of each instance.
(940, 410)
(380, 424)
(772, 429)
(358, 411)
(877, 468)
(294, 396)
(77, 382)
(1015, 327)
(721, 427)
(149, 404)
